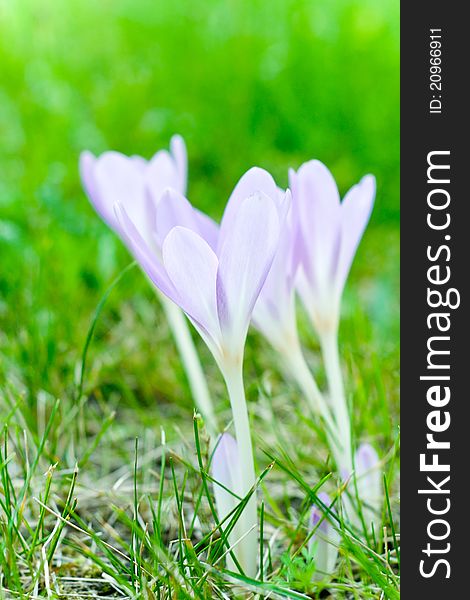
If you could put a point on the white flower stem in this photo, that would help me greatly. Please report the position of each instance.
(245, 550)
(192, 366)
(296, 364)
(330, 351)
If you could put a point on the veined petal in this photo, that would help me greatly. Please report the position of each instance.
(245, 258)
(319, 214)
(254, 180)
(180, 156)
(355, 213)
(144, 255)
(191, 266)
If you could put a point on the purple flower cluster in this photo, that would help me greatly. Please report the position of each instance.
(270, 245)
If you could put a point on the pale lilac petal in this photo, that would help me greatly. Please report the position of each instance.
(306, 289)
(292, 181)
(366, 459)
(178, 150)
(323, 544)
(87, 166)
(118, 179)
(147, 259)
(245, 258)
(283, 202)
(299, 251)
(226, 470)
(355, 213)
(208, 229)
(191, 265)
(172, 210)
(317, 514)
(161, 174)
(319, 214)
(226, 466)
(369, 483)
(288, 245)
(139, 162)
(254, 180)
(274, 308)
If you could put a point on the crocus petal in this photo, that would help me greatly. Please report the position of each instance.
(323, 544)
(172, 210)
(208, 229)
(355, 213)
(366, 459)
(191, 265)
(161, 173)
(245, 258)
(144, 255)
(369, 483)
(319, 212)
(104, 209)
(86, 164)
(281, 277)
(226, 470)
(254, 180)
(274, 312)
(317, 515)
(178, 150)
(139, 162)
(118, 179)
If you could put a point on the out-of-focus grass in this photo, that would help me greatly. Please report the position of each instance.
(268, 83)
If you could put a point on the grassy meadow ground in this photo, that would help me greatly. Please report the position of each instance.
(267, 83)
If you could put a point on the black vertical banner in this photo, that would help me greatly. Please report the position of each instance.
(435, 319)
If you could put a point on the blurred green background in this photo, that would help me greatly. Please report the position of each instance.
(266, 82)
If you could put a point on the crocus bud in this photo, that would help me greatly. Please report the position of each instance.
(323, 544)
(369, 485)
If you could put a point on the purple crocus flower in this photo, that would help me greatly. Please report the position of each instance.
(138, 185)
(323, 544)
(369, 484)
(330, 233)
(216, 280)
(214, 277)
(152, 194)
